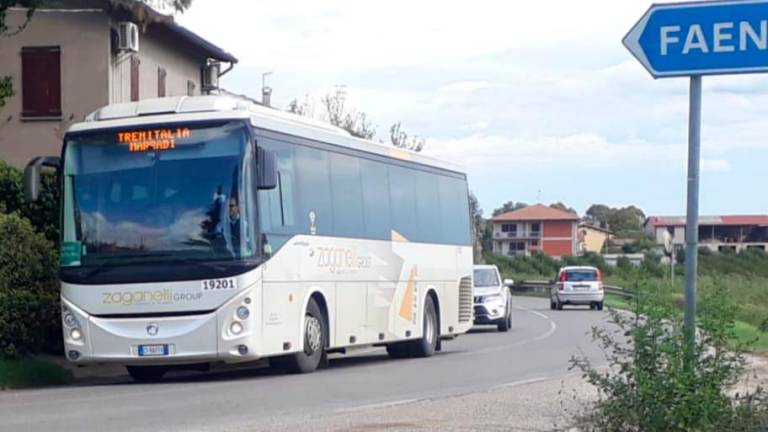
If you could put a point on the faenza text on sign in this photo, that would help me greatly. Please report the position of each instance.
(721, 37)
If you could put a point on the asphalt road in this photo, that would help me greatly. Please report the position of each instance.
(538, 347)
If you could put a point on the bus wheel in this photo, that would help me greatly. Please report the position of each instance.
(315, 337)
(427, 345)
(146, 373)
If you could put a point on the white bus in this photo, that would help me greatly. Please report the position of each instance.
(206, 229)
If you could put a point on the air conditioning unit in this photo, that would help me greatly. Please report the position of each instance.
(211, 74)
(128, 37)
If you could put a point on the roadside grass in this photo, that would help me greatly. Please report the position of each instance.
(751, 337)
(29, 372)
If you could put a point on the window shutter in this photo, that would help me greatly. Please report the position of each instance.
(41, 81)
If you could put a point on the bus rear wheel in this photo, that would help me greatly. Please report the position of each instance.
(427, 344)
(315, 338)
(147, 373)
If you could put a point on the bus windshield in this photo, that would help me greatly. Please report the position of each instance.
(157, 194)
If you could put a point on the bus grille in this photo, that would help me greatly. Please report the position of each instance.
(465, 299)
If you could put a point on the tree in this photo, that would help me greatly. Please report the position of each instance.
(622, 220)
(509, 206)
(354, 122)
(298, 108)
(560, 206)
(478, 226)
(400, 139)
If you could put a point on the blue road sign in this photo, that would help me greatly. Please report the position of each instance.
(702, 38)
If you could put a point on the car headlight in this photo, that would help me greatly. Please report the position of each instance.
(493, 298)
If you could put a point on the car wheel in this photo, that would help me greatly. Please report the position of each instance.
(559, 305)
(147, 373)
(315, 338)
(600, 306)
(552, 304)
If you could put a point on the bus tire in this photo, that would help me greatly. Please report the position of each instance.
(426, 346)
(146, 373)
(315, 341)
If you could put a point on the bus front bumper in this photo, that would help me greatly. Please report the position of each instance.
(185, 339)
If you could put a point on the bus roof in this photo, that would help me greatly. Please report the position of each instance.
(197, 108)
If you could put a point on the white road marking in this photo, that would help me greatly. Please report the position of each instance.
(375, 406)
(521, 382)
(548, 333)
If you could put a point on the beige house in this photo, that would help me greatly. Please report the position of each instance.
(77, 55)
(592, 238)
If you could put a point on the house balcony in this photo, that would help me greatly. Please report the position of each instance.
(531, 235)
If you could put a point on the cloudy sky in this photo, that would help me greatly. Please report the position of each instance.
(538, 100)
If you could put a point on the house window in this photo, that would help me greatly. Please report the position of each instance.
(510, 229)
(135, 62)
(161, 73)
(190, 88)
(535, 229)
(41, 81)
(534, 244)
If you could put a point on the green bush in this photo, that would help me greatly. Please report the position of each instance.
(44, 213)
(29, 307)
(649, 387)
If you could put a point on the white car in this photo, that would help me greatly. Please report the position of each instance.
(493, 301)
(577, 285)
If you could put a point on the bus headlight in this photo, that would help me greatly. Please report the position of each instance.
(70, 320)
(76, 334)
(243, 313)
(236, 328)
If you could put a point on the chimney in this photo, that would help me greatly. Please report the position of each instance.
(266, 96)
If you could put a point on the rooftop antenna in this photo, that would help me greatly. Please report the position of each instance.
(538, 196)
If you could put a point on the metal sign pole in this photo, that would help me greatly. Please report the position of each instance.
(692, 219)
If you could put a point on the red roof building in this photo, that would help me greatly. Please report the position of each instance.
(536, 228)
(718, 233)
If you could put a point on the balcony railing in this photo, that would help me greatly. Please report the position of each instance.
(517, 235)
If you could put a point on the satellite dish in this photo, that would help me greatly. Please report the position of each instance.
(667, 237)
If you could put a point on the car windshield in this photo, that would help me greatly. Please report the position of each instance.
(581, 275)
(486, 278)
(156, 194)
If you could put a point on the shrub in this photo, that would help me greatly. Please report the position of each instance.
(29, 308)
(648, 386)
(44, 214)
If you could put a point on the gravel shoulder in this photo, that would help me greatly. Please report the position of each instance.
(531, 405)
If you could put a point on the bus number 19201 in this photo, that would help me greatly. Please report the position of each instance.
(219, 284)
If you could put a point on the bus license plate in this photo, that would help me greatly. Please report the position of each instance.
(153, 350)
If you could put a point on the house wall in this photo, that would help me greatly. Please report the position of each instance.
(593, 240)
(558, 248)
(83, 38)
(155, 51)
(558, 229)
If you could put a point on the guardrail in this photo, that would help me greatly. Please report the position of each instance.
(544, 286)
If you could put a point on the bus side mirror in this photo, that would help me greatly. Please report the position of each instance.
(267, 163)
(32, 181)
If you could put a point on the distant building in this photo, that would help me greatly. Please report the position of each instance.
(592, 238)
(636, 259)
(75, 56)
(718, 233)
(536, 228)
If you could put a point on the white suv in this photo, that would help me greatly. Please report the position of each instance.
(577, 285)
(493, 301)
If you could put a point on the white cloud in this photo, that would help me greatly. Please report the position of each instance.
(503, 87)
(715, 165)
